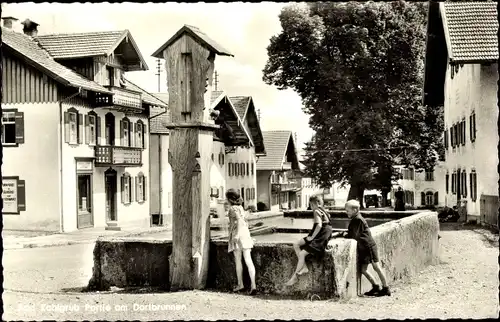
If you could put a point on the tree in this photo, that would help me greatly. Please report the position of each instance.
(358, 67)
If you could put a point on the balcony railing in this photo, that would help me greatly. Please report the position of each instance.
(107, 155)
(289, 186)
(126, 98)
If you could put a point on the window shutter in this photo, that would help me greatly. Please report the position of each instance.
(137, 188)
(248, 169)
(229, 169)
(464, 179)
(446, 139)
(475, 130)
(21, 195)
(464, 132)
(144, 188)
(252, 169)
(475, 186)
(436, 198)
(447, 178)
(122, 179)
(236, 169)
(144, 132)
(66, 127)
(451, 137)
(87, 130)
(97, 130)
(121, 133)
(80, 128)
(248, 194)
(470, 129)
(422, 198)
(19, 117)
(223, 158)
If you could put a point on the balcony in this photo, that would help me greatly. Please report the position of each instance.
(107, 155)
(288, 186)
(126, 98)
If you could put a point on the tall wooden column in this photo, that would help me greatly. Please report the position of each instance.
(190, 57)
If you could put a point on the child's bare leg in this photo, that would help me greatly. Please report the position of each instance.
(369, 277)
(300, 265)
(239, 269)
(296, 246)
(380, 272)
(251, 268)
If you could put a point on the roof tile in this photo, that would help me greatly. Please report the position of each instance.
(79, 44)
(472, 29)
(147, 97)
(276, 143)
(27, 47)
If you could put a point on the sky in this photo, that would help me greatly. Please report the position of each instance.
(244, 29)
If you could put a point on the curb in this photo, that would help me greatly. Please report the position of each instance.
(76, 242)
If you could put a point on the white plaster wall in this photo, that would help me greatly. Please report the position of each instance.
(473, 88)
(36, 162)
(135, 214)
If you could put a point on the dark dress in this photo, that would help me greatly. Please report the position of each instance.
(318, 245)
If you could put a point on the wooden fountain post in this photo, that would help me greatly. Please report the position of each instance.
(190, 57)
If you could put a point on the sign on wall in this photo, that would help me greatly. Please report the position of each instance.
(13, 195)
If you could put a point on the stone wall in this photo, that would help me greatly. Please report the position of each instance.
(406, 246)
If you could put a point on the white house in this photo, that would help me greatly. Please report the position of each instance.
(277, 172)
(74, 131)
(461, 74)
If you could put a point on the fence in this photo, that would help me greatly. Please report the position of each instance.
(489, 210)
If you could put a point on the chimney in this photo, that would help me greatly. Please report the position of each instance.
(30, 28)
(8, 22)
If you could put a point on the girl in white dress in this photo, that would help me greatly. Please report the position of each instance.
(240, 242)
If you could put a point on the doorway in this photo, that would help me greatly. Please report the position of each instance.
(109, 121)
(110, 184)
(84, 196)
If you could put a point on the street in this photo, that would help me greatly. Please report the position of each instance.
(46, 283)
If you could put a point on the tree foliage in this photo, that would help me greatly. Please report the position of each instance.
(358, 67)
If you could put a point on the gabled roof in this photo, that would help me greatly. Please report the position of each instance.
(147, 97)
(89, 44)
(241, 104)
(457, 33)
(215, 97)
(278, 144)
(246, 110)
(471, 28)
(198, 36)
(36, 56)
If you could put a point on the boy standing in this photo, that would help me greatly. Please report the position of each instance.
(367, 248)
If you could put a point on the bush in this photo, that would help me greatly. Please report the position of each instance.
(262, 206)
(448, 215)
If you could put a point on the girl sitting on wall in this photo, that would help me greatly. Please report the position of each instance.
(315, 243)
(240, 242)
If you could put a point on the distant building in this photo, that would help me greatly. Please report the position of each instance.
(278, 183)
(461, 74)
(74, 131)
(236, 146)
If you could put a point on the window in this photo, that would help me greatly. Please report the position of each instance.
(140, 188)
(91, 126)
(230, 169)
(236, 167)
(429, 175)
(248, 194)
(472, 126)
(125, 132)
(242, 169)
(84, 193)
(429, 198)
(252, 168)
(452, 137)
(12, 127)
(473, 185)
(73, 126)
(139, 128)
(447, 184)
(126, 188)
(248, 169)
(445, 139)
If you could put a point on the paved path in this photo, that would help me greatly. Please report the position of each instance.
(41, 283)
(19, 239)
